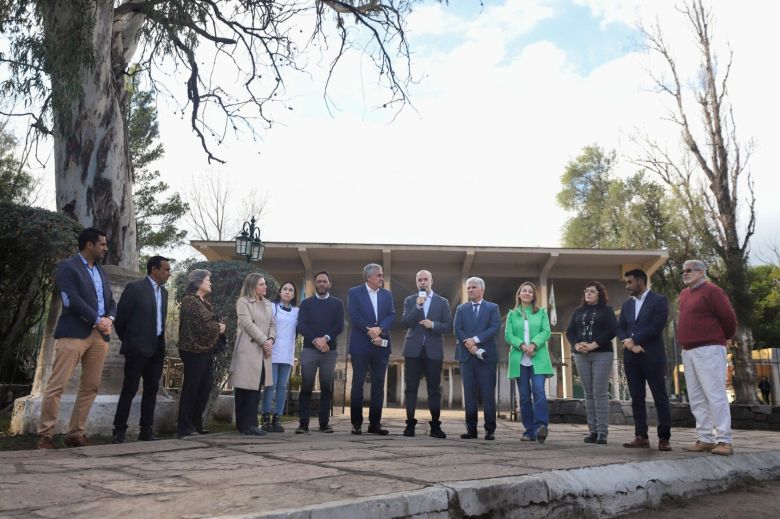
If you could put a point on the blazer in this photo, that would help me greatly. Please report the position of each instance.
(601, 330)
(538, 332)
(646, 329)
(136, 319)
(362, 317)
(418, 335)
(256, 324)
(485, 327)
(79, 299)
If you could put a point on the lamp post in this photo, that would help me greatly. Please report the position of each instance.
(248, 242)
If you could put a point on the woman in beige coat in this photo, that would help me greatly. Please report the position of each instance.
(251, 365)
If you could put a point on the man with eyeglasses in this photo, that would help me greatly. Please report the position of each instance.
(706, 323)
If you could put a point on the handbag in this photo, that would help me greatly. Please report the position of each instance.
(220, 346)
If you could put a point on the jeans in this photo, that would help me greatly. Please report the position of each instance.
(594, 369)
(281, 376)
(533, 400)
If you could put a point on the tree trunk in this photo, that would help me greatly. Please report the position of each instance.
(744, 379)
(91, 154)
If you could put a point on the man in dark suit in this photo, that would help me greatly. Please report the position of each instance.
(371, 314)
(476, 324)
(82, 334)
(140, 324)
(640, 327)
(428, 317)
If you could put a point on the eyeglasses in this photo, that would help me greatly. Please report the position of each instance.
(688, 271)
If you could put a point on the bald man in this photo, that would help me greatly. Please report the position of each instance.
(427, 317)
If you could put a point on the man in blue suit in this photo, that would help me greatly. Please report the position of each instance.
(476, 324)
(427, 317)
(82, 334)
(371, 314)
(640, 327)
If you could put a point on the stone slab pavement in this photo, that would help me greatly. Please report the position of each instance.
(343, 476)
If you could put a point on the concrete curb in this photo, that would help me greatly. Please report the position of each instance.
(604, 491)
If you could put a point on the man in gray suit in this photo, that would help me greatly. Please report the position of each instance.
(427, 317)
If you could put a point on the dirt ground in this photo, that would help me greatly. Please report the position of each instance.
(759, 501)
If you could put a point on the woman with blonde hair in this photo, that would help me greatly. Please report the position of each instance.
(251, 364)
(527, 333)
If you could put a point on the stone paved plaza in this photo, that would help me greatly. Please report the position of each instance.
(341, 475)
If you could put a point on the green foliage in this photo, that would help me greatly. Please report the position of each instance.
(765, 289)
(632, 213)
(16, 184)
(156, 216)
(227, 277)
(32, 242)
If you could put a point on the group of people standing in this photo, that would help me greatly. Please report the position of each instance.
(263, 357)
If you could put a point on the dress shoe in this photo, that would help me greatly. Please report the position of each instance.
(590, 438)
(723, 449)
(541, 433)
(302, 429)
(254, 431)
(663, 445)
(265, 422)
(490, 436)
(700, 446)
(204, 431)
(436, 431)
(637, 443)
(468, 435)
(45, 442)
(146, 434)
(409, 431)
(119, 436)
(76, 440)
(527, 438)
(356, 430)
(377, 429)
(325, 428)
(601, 438)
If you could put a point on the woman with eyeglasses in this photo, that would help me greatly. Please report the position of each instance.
(527, 333)
(590, 331)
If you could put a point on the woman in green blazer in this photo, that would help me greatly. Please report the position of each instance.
(527, 333)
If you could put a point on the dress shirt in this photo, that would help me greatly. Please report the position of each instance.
(639, 301)
(372, 294)
(94, 273)
(158, 303)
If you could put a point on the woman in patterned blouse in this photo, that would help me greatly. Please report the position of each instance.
(199, 329)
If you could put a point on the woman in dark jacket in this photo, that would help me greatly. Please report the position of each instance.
(590, 332)
(199, 329)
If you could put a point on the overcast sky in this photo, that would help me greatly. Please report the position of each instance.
(508, 94)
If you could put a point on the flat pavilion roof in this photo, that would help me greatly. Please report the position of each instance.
(503, 268)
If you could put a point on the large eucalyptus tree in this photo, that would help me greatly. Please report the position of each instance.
(65, 65)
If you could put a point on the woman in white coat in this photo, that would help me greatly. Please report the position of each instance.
(251, 364)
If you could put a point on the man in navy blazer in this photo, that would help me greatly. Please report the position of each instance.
(427, 317)
(372, 315)
(82, 334)
(640, 327)
(140, 324)
(476, 325)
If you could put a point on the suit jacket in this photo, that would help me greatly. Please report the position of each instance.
(136, 319)
(485, 327)
(79, 299)
(362, 317)
(646, 329)
(418, 335)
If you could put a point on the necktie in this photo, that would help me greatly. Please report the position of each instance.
(476, 309)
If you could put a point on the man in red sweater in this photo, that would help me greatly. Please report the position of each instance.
(707, 322)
